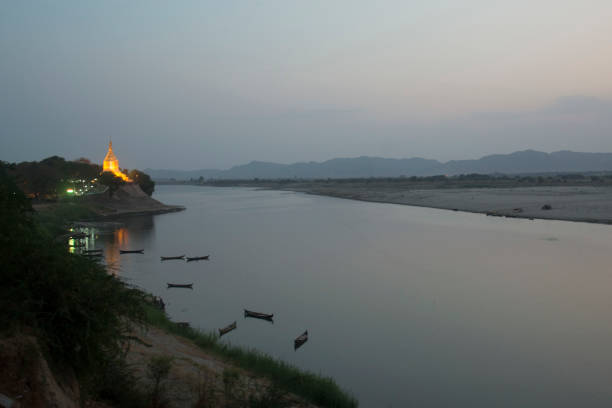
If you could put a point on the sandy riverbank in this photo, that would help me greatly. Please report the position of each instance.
(574, 203)
(197, 377)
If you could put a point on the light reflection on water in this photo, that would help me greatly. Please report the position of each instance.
(112, 237)
(404, 305)
(83, 239)
(120, 239)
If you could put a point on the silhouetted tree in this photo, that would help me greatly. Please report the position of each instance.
(111, 181)
(143, 180)
(51, 176)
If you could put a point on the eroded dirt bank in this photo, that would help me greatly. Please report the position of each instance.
(195, 379)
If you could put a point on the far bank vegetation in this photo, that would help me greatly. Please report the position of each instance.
(473, 180)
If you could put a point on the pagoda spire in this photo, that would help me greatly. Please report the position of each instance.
(111, 163)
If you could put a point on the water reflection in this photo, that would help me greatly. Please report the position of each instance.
(434, 308)
(81, 239)
(120, 239)
(111, 237)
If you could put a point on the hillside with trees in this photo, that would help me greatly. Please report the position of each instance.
(55, 177)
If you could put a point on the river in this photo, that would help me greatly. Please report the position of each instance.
(405, 306)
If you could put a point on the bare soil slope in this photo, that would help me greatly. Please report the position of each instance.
(128, 200)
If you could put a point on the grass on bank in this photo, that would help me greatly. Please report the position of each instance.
(319, 390)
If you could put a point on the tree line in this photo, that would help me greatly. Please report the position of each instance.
(50, 177)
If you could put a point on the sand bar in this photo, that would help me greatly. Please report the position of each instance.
(568, 203)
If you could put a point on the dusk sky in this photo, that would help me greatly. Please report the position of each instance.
(202, 84)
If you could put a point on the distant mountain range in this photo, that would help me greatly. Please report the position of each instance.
(526, 161)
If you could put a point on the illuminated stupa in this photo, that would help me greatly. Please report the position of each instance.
(112, 164)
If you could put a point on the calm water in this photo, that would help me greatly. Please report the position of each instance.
(405, 306)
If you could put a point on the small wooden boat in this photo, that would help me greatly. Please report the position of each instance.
(227, 329)
(257, 315)
(168, 258)
(301, 339)
(198, 258)
(180, 285)
(92, 251)
(131, 251)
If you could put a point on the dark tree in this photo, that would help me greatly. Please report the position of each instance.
(50, 177)
(111, 181)
(39, 179)
(144, 181)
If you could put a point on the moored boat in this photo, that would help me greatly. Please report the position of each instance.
(92, 251)
(131, 251)
(301, 339)
(168, 258)
(197, 258)
(227, 329)
(180, 285)
(257, 315)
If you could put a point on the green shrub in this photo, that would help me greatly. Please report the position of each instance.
(158, 369)
(113, 381)
(78, 311)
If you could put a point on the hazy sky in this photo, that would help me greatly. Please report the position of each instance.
(202, 84)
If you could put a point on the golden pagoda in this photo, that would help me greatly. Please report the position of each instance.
(112, 164)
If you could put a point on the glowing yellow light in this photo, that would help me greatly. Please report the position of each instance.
(69, 191)
(111, 164)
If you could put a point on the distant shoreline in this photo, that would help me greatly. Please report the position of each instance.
(578, 202)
